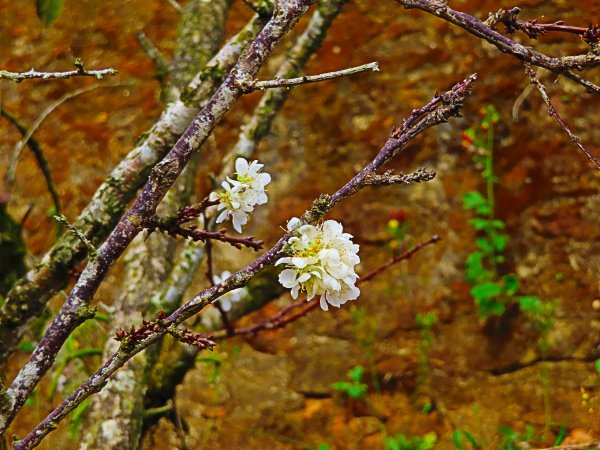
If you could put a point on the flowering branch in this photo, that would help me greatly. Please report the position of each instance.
(561, 66)
(144, 207)
(449, 105)
(29, 295)
(306, 79)
(282, 319)
(80, 71)
(535, 81)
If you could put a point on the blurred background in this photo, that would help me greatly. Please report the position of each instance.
(435, 364)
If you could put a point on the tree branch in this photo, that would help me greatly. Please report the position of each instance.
(29, 296)
(37, 151)
(561, 66)
(136, 218)
(80, 71)
(289, 82)
(535, 81)
(450, 105)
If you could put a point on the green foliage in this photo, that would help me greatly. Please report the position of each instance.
(457, 438)
(511, 440)
(323, 446)
(491, 291)
(354, 388)
(397, 229)
(48, 10)
(401, 442)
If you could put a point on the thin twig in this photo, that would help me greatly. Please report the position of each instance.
(37, 151)
(43, 115)
(395, 260)
(162, 66)
(93, 253)
(80, 71)
(289, 82)
(552, 111)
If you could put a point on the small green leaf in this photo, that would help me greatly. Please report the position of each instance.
(511, 284)
(597, 365)
(457, 439)
(489, 307)
(472, 440)
(474, 200)
(486, 291)
(48, 10)
(499, 241)
(485, 245)
(531, 305)
(479, 223)
(356, 373)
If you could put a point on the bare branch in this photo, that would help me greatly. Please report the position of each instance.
(43, 115)
(552, 111)
(389, 178)
(562, 65)
(144, 207)
(37, 151)
(289, 82)
(450, 104)
(80, 71)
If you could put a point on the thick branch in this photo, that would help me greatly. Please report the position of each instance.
(450, 105)
(28, 297)
(162, 177)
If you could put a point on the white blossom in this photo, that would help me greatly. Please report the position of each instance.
(321, 263)
(240, 195)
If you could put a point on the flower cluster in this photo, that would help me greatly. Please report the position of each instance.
(321, 263)
(240, 195)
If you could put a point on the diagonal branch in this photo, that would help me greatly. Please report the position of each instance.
(450, 105)
(29, 296)
(561, 66)
(281, 319)
(535, 81)
(144, 207)
(37, 151)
